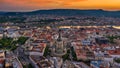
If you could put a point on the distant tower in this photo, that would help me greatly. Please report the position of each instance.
(59, 48)
(5, 34)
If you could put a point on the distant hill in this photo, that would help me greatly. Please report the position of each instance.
(68, 12)
(2, 13)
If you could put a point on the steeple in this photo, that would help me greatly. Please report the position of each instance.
(60, 36)
(59, 50)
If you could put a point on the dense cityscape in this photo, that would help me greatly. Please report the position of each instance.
(48, 40)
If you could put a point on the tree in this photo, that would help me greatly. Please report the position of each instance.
(47, 51)
(22, 40)
(73, 54)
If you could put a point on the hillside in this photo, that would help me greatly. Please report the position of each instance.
(68, 12)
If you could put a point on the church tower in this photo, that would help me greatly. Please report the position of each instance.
(59, 48)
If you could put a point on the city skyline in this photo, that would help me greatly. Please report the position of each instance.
(30, 5)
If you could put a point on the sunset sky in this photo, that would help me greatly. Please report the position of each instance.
(29, 5)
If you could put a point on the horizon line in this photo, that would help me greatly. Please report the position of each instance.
(52, 9)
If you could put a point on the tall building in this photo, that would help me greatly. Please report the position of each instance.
(5, 34)
(59, 48)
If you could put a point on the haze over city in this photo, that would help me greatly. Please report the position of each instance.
(59, 33)
(30, 5)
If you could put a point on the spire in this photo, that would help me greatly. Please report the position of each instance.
(59, 37)
(59, 49)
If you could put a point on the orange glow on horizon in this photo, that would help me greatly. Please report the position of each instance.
(14, 5)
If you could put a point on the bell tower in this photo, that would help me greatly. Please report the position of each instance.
(60, 49)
